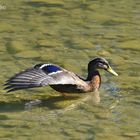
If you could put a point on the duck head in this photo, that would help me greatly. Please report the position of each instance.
(100, 63)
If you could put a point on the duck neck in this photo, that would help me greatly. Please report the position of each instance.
(95, 79)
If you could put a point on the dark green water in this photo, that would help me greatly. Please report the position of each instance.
(70, 33)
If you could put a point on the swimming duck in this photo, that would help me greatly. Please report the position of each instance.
(60, 79)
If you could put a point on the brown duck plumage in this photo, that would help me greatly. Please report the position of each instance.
(60, 79)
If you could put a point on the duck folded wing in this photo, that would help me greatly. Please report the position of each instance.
(40, 75)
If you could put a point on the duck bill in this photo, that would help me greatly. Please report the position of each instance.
(110, 70)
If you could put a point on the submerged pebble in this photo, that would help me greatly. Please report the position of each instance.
(131, 44)
(130, 134)
(16, 46)
(28, 54)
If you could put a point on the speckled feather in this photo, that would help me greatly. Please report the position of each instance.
(42, 75)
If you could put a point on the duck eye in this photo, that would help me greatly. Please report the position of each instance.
(100, 65)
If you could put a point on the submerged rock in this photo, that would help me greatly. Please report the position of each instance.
(16, 46)
(131, 44)
(130, 134)
(28, 54)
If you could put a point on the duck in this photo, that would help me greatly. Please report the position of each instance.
(60, 79)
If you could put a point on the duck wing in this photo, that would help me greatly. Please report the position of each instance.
(41, 75)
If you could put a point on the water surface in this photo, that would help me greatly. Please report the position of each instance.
(70, 33)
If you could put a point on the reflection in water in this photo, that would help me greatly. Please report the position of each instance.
(92, 99)
(30, 104)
